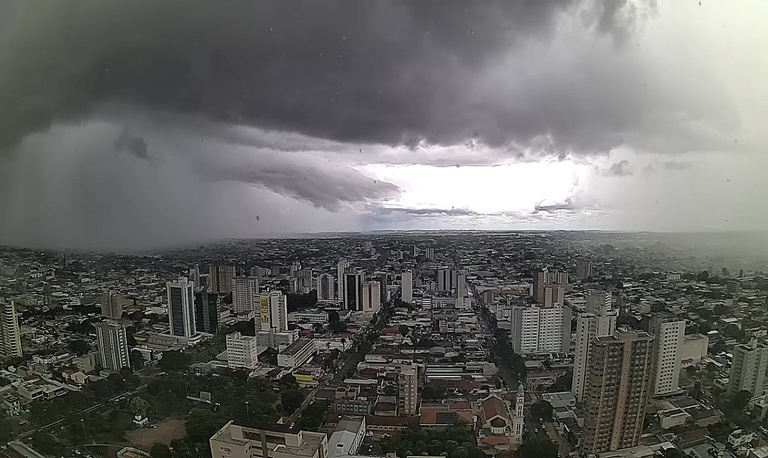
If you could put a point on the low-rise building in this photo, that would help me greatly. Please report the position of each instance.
(297, 353)
(234, 441)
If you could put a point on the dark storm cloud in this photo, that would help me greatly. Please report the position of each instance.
(394, 72)
(132, 144)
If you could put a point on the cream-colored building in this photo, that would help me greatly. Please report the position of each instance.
(233, 441)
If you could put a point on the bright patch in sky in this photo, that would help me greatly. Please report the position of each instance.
(482, 189)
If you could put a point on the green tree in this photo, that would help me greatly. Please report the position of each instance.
(674, 453)
(159, 450)
(542, 410)
(404, 330)
(138, 406)
(741, 399)
(79, 347)
(175, 361)
(537, 449)
(291, 400)
(5, 430)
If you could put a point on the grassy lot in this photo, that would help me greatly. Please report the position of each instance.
(166, 431)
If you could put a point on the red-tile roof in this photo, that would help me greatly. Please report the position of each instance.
(493, 406)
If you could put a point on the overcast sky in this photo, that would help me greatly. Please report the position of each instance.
(128, 125)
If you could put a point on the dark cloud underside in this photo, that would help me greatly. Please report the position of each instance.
(391, 71)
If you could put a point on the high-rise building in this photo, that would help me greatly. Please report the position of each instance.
(461, 285)
(406, 286)
(539, 280)
(325, 290)
(541, 329)
(618, 385)
(407, 395)
(549, 287)
(341, 267)
(273, 311)
(748, 371)
(111, 305)
(446, 279)
(599, 301)
(669, 334)
(242, 351)
(245, 294)
(597, 321)
(384, 282)
(429, 254)
(181, 307)
(353, 290)
(112, 342)
(207, 308)
(220, 278)
(10, 336)
(371, 296)
(194, 275)
(304, 278)
(583, 269)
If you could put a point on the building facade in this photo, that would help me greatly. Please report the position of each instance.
(406, 286)
(181, 307)
(245, 294)
(750, 362)
(371, 297)
(353, 290)
(273, 311)
(618, 386)
(408, 388)
(112, 342)
(233, 441)
(325, 289)
(242, 351)
(207, 308)
(540, 329)
(341, 267)
(596, 322)
(111, 305)
(10, 335)
(220, 278)
(669, 335)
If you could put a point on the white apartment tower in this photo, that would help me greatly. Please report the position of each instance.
(669, 334)
(112, 342)
(371, 296)
(540, 329)
(10, 337)
(748, 371)
(245, 294)
(406, 286)
(181, 307)
(325, 290)
(242, 351)
(273, 311)
(599, 320)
